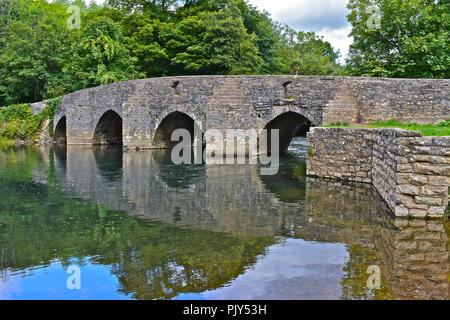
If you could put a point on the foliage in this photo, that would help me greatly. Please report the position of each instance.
(307, 54)
(17, 122)
(215, 43)
(32, 50)
(413, 39)
(99, 56)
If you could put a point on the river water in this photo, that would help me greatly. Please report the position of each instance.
(99, 223)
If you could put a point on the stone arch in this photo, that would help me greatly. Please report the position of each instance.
(109, 129)
(289, 123)
(60, 131)
(169, 123)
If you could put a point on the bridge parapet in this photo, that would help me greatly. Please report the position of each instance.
(250, 102)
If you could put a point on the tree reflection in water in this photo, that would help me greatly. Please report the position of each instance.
(207, 231)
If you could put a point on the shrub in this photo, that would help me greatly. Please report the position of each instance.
(17, 122)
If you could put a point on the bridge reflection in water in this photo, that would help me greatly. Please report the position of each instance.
(217, 231)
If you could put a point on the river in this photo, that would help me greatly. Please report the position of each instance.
(131, 225)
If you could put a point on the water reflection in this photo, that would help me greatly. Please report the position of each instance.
(142, 228)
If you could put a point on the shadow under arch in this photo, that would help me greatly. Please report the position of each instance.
(60, 133)
(173, 121)
(290, 124)
(180, 176)
(109, 160)
(289, 184)
(108, 130)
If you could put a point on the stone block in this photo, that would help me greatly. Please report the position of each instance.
(418, 213)
(418, 180)
(431, 169)
(433, 191)
(432, 201)
(408, 189)
(401, 211)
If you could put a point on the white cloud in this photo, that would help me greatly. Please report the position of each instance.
(326, 17)
(338, 38)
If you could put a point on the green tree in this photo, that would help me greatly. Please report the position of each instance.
(268, 38)
(145, 39)
(412, 41)
(32, 52)
(214, 43)
(99, 56)
(306, 53)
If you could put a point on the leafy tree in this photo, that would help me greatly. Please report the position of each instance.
(267, 37)
(307, 54)
(33, 51)
(99, 56)
(145, 39)
(160, 7)
(215, 43)
(412, 41)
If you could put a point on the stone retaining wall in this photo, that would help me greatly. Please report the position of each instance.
(411, 172)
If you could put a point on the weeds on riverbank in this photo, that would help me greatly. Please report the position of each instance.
(17, 122)
(441, 129)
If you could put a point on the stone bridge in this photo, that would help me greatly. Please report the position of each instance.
(143, 113)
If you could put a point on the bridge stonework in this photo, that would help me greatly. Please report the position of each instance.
(249, 102)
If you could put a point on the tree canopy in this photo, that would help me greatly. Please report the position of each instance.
(41, 57)
(412, 39)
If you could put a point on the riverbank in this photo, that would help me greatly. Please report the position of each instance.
(6, 143)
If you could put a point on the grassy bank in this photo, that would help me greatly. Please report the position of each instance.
(6, 143)
(18, 123)
(441, 129)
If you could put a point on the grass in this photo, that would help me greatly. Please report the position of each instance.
(311, 152)
(440, 130)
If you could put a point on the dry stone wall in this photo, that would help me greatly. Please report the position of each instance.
(411, 172)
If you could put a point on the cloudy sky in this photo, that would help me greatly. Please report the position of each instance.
(326, 17)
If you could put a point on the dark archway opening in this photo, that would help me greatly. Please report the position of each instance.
(60, 133)
(290, 125)
(108, 130)
(175, 120)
